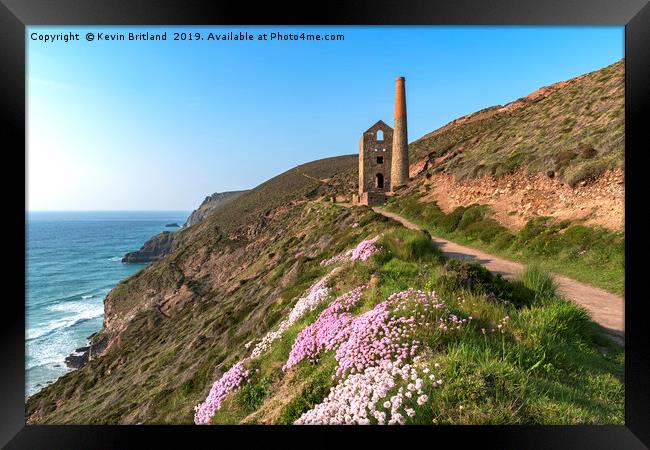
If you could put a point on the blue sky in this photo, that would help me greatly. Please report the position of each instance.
(129, 125)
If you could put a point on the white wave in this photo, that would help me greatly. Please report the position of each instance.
(50, 352)
(87, 296)
(115, 259)
(77, 312)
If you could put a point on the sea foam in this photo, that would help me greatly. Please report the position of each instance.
(78, 312)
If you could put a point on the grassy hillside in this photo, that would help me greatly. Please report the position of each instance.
(574, 130)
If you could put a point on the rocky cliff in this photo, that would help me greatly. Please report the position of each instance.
(152, 250)
(211, 204)
(164, 243)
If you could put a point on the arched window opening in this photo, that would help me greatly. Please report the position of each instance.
(380, 135)
(379, 181)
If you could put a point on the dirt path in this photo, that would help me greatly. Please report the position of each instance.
(606, 309)
(311, 178)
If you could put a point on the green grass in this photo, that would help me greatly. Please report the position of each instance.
(593, 255)
(315, 389)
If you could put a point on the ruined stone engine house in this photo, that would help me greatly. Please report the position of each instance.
(375, 158)
(383, 155)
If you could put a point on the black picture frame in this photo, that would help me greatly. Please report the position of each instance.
(15, 15)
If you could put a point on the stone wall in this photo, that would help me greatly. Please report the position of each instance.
(375, 157)
(370, 198)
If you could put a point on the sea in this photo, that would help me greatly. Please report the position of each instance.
(73, 261)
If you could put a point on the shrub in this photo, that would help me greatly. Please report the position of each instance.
(542, 236)
(510, 165)
(432, 214)
(450, 222)
(503, 240)
(585, 172)
(546, 244)
(563, 158)
(532, 229)
(578, 237)
(588, 152)
(477, 279)
(251, 396)
(472, 214)
(486, 230)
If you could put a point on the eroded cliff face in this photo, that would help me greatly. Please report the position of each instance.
(519, 197)
(166, 242)
(211, 204)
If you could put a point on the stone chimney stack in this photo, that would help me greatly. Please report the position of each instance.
(400, 159)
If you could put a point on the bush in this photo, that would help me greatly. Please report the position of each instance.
(410, 245)
(477, 279)
(542, 237)
(532, 229)
(510, 165)
(503, 240)
(588, 152)
(486, 230)
(472, 214)
(450, 222)
(432, 214)
(578, 238)
(585, 172)
(546, 244)
(251, 396)
(563, 158)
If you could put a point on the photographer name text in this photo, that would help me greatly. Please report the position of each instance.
(184, 36)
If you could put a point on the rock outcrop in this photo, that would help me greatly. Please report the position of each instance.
(78, 358)
(152, 250)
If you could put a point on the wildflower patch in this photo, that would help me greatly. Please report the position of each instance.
(373, 348)
(383, 394)
(233, 378)
(363, 251)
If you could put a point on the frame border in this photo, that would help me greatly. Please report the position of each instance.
(16, 15)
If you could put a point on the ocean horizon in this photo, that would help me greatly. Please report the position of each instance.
(73, 261)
